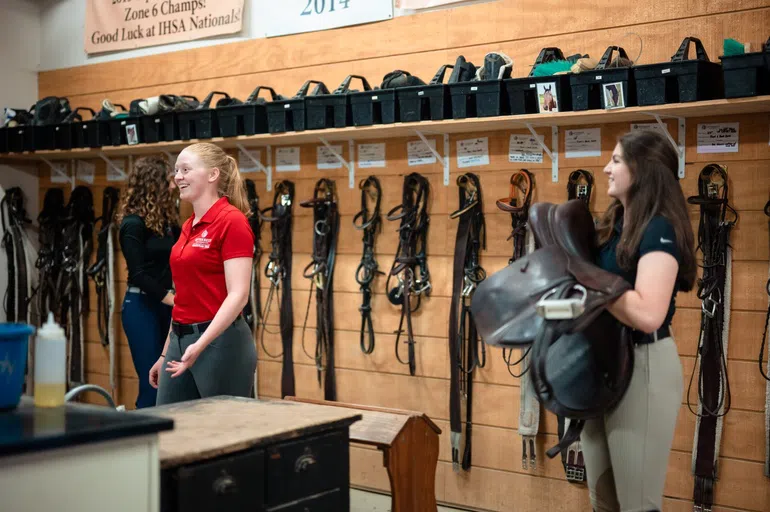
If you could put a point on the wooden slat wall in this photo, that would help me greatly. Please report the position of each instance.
(420, 44)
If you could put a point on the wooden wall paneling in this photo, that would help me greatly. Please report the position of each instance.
(456, 29)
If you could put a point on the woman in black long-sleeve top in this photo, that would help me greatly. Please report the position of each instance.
(149, 227)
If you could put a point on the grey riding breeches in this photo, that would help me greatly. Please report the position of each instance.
(225, 367)
(626, 453)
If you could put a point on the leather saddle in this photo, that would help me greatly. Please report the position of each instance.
(553, 302)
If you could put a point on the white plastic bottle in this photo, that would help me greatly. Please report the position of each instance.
(50, 364)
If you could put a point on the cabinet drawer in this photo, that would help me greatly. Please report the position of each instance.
(232, 483)
(332, 501)
(307, 467)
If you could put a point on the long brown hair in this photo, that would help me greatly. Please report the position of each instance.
(654, 190)
(148, 195)
(230, 182)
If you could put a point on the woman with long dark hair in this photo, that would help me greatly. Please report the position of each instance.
(646, 237)
(149, 227)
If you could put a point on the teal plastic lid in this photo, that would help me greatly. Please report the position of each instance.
(10, 331)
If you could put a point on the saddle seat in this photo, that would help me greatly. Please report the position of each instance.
(505, 305)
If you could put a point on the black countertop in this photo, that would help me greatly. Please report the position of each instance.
(33, 429)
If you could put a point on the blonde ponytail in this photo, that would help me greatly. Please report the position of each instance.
(235, 189)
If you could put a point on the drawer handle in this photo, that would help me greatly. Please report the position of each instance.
(304, 461)
(224, 484)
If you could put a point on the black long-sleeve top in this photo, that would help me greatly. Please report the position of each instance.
(147, 256)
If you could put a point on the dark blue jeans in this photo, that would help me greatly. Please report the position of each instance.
(146, 323)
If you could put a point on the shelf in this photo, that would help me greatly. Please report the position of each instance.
(719, 107)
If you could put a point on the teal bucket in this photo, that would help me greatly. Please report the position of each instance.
(14, 340)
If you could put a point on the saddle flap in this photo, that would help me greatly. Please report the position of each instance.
(569, 225)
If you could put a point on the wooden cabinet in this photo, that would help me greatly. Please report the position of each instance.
(252, 455)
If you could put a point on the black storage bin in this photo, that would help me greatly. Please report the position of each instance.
(679, 80)
(482, 98)
(425, 102)
(288, 115)
(45, 137)
(66, 133)
(201, 123)
(587, 90)
(331, 110)
(747, 74)
(523, 95)
(160, 127)
(21, 138)
(120, 128)
(248, 118)
(4, 140)
(377, 106)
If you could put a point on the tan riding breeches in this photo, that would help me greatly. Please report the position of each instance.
(626, 453)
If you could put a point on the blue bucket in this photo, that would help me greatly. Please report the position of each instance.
(14, 340)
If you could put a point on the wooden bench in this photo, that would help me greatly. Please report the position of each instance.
(409, 442)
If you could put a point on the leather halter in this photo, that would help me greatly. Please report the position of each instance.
(518, 207)
(464, 343)
(278, 272)
(714, 397)
(370, 224)
(410, 256)
(320, 271)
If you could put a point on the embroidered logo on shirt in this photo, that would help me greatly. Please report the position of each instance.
(202, 241)
(666, 241)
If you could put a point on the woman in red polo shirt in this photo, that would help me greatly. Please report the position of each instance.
(209, 350)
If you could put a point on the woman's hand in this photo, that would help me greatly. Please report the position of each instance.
(168, 300)
(155, 371)
(177, 368)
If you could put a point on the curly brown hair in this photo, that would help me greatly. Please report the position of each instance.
(148, 195)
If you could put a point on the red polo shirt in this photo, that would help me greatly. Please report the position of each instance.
(197, 260)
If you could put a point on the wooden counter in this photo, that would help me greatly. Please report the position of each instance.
(228, 453)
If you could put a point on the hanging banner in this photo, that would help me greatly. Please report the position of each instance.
(296, 16)
(123, 24)
(425, 4)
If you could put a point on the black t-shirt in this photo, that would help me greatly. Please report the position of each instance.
(147, 256)
(658, 236)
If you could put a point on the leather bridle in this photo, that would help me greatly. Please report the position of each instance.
(370, 223)
(410, 257)
(320, 272)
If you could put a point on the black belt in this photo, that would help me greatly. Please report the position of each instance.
(199, 328)
(642, 338)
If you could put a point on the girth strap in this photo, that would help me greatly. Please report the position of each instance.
(320, 272)
(370, 224)
(579, 186)
(278, 271)
(766, 374)
(104, 280)
(714, 291)
(464, 342)
(410, 257)
(517, 204)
